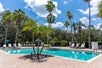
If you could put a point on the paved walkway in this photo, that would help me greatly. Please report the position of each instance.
(18, 61)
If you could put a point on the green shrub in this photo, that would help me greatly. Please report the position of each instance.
(52, 42)
(63, 42)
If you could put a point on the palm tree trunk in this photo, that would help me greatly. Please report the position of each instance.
(38, 49)
(74, 33)
(16, 36)
(89, 22)
(49, 25)
(48, 38)
(66, 34)
(41, 49)
(71, 32)
(6, 33)
(33, 44)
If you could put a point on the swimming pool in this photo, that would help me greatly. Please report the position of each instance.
(68, 54)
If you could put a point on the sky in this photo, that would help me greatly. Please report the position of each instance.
(36, 10)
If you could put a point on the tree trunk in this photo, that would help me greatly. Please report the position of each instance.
(42, 48)
(6, 33)
(71, 32)
(66, 34)
(38, 52)
(48, 38)
(33, 44)
(89, 22)
(16, 38)
(49, 25)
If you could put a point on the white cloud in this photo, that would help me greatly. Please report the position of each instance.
(38, 6)
(97, 26)
(1, 8)
(84, 20)
(56, 25)
(94, 19)
(94, 8)
(67, 1)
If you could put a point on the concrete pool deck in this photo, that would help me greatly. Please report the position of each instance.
(18, 61)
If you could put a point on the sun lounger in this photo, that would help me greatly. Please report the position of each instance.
(77, 45)
(32, 44)
(4, 45)
(73, 45)
(19, 45)
(15, 45)
(9, 45)
(82, 45)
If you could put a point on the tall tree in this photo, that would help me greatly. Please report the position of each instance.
(66, 24)
(2, 31)
(100, 9)
(80, 32)
(50, 18)
(79, 26)
(74, 25)
(6, 19)
(70, 16)
(31, 26)
(88, 1)
(19, 18)
(50, 6)
(43, 33)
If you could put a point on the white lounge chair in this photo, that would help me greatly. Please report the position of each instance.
(82, 45)
(19, 45)
(9, 45)
(14, 45)
(32, 44)
(4, 45)
(77, 45)
(72, 44)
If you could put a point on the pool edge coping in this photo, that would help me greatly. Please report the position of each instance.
(88, 61)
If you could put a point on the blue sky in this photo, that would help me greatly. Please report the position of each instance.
(36, 10)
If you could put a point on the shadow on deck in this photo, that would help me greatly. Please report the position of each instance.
(33, 57)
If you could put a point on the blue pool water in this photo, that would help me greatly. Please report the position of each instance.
(79, 55)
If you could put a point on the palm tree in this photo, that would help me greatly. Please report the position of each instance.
(31, 26)
(66, 25)
(70, 16)
(80, 32)
(43, 32)
(74, 25)
(100, 9)
(88, 1)
(50, 18)
(19, 18)
(79, 26)
(50, 6)
(2, 29)
(6, 19)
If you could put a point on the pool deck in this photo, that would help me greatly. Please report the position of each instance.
(18, 61)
